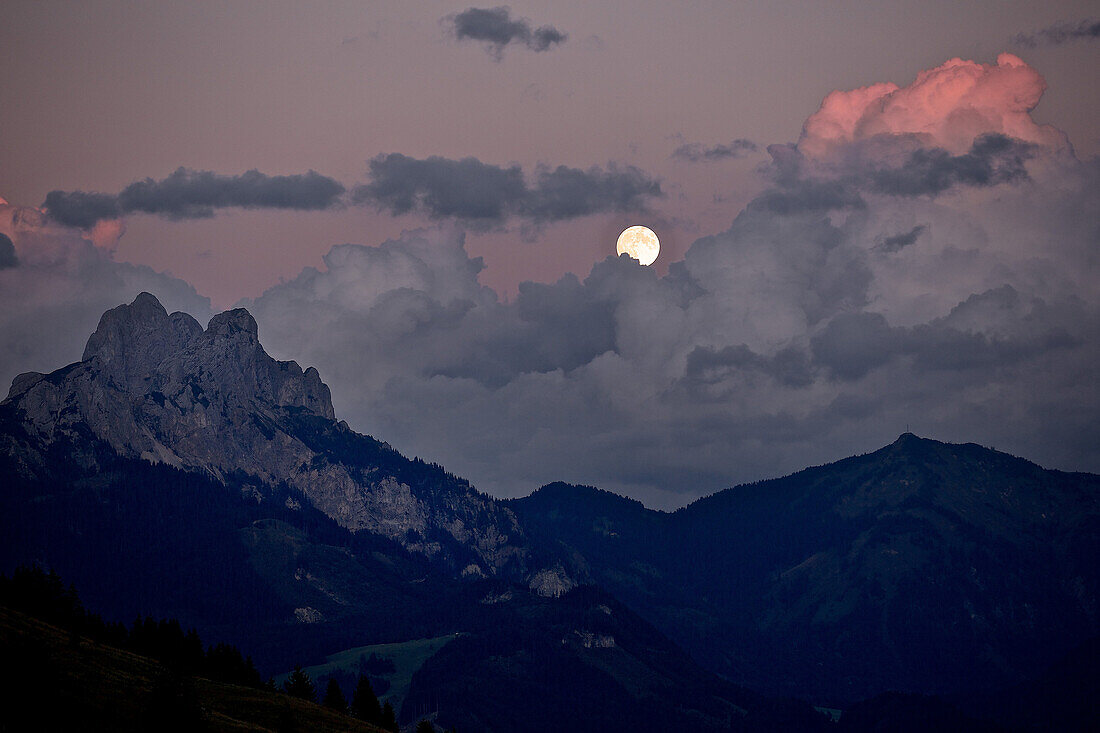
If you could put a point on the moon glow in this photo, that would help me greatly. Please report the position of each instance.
(640, 243)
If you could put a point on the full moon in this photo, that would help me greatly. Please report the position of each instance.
(640, 243)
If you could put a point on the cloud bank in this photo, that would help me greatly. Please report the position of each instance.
(189, 194)
(925, 255)
(497, 29)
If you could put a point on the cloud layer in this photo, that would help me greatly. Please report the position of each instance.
(189, 194)
(496, 28)
(900, 270)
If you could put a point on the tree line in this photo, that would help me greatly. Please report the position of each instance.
(43, 595)
(364, 703)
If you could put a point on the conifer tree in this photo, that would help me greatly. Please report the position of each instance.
(300, 685)
(364, 703)
(389, 718)
(334, 697)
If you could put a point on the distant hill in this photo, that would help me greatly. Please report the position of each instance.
(923, 567)
(589, 653)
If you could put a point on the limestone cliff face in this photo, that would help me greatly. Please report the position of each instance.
(159, 387)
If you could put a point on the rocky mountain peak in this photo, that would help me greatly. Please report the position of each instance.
(233, 323)
(139, 347)
(132, 340)
(149, 380)
(156, 386)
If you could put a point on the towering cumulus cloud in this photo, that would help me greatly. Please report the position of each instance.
(946, 107)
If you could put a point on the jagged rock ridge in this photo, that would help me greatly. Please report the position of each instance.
(157, 386)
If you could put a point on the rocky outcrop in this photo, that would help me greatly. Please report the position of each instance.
(158, 386)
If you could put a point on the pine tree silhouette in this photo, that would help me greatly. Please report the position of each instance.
(300, 685)
(334, 697)
(389, 718)
(364, 703)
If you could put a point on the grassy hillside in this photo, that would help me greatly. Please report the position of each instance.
(407, 657)
(53, 680)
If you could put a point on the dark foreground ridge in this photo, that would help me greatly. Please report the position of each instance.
(65, 669)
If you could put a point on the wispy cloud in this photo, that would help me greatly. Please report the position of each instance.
(698, 153)
(1059, 33)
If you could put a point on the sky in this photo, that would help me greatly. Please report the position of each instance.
(872, 216)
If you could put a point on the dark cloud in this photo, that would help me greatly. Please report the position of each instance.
(496, 28)
(1059, 33)
(466, 189)
(993, 159)
(550, 327)
(566, 193)
(484, 194)
(189, 194)
(870, 166)
(81, 209)
(939, 347)
(810, 196)
(7, 252)
(789, 366)
(905, 239)
(697, 152)
(853, 344)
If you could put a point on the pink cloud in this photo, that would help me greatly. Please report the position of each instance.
(31, 223)
(106, 233)
(946, 107)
